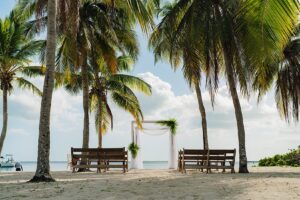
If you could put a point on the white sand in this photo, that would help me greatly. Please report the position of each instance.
(261, 183)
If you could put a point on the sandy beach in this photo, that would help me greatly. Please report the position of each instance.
(261, 183)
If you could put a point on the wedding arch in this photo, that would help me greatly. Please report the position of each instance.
(156, 128)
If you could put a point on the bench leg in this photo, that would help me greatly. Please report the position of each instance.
(232, 171)
(124, 170)
(232, 165)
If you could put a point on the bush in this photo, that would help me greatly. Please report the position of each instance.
(281, 162)
(291, 158)
(262, 162)
(276, 158)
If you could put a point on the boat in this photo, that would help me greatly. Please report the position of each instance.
(7, 161)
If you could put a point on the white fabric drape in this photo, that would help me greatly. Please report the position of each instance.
(172, 152)
(137, 163)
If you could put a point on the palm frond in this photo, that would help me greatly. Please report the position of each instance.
(25, 84)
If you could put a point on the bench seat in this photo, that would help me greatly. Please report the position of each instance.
(99, 158)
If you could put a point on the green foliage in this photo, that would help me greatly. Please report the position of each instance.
(134, 149)
(291, 158)
(121, 89)
(16, 50)
(171, 124)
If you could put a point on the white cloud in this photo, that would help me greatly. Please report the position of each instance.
(266, 133)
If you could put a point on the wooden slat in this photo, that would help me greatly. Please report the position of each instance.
(219, 167)
(187, 157)
(196, 166)
(221, 151)
(85, 149)
(221, 157)
(195, 151)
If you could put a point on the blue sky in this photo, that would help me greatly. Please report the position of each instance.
(266, 133)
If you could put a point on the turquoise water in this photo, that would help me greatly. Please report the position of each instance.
(62, 165)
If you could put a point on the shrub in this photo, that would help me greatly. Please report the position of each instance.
(291, 158)
(281, 162)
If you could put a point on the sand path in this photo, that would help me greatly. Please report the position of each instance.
(261, 183)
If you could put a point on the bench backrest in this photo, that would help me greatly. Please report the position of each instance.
(194, 154)
(222, 154)
(99, 153)
(213, 154)
(113, 153)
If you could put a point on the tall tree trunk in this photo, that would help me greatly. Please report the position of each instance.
(85, 103)
(100, 136)
(99, 96)
(238, 111)
(85, 90)
(203, 115)
(227, 41)
(5, 119)
(42, 173)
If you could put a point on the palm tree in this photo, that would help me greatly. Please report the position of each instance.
(112, 34)
(15, 53)
(131, 11)
(42, 173)
(240, 34)
(119, 86)
(285, 73)
(102, 82)
(185, 51)
(288, 81)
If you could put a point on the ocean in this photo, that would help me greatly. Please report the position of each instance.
(29, 166)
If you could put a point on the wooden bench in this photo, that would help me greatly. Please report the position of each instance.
(221, 159)
(206, 159)
(99, 158)
(194, 159)
(114, 158)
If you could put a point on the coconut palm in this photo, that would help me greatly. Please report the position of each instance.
(103, 83)
(288, 81)
(286, 75)
(185, 51)
(239, 36)
(119, 87)
(15, 53)
(43, 168)
(132, 11)
(112, 34)
(67, 15)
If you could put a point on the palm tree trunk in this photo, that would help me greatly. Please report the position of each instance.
(99, 96)
(203, 115)
(85, 90)
(5, 119)
(226, 42)
(85, 103)
(100, 136)
(42, 173)
(238, 112)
